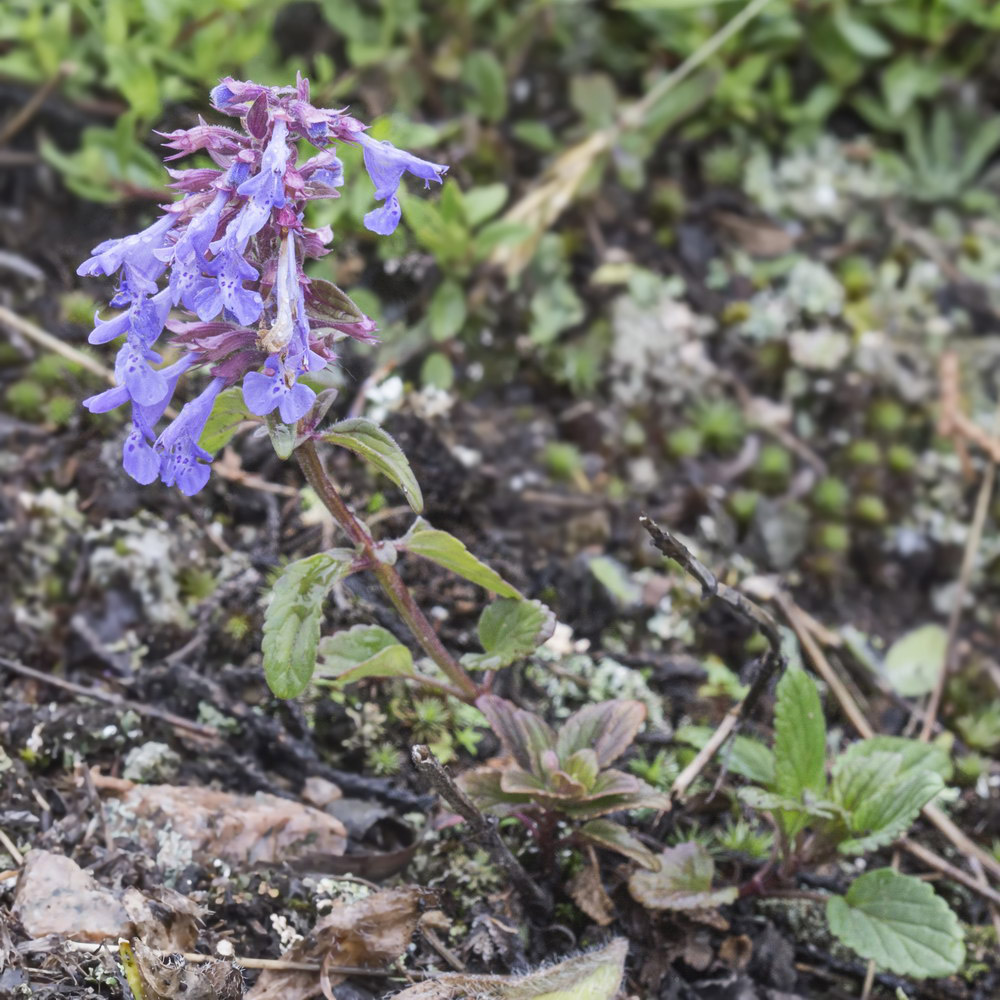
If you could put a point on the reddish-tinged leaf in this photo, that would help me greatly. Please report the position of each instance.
(523, 734)
(684, 881)
(607, 728)
(483, 786)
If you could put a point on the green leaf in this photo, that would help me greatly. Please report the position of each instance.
(363, 651)
(227, 414)
(799, 740)
(615, 837)
(483, 202)
(915, 660)
(484, 75)
(437, 370)
(510, 629)
(898, 922)
(803, 809)
(369, 441)
(447, 310)
(447, 551)
(684, 881)
(523, 734)
(608, 727)
(284, 437)
(292, 619)
(859, 35)
(328, 304)
(890, 811)
(914, 755)
(745, 756)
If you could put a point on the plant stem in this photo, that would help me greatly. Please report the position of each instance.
(390, 581)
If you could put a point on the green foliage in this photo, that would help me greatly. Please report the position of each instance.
(293, 616)
(377, 447)
(799, 741)
(360, 652)
(228, 413)
(509, 630)
(915, 660)
(898, 922)
(447, 551)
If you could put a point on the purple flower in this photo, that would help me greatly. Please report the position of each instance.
(136, 253)
(386, 165)
(263, 393)
(138, 456)
(183, 462)
(234, 246)
(230, 269)
(265, 190)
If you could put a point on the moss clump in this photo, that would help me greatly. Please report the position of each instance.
(830, 496)
(864, 453)
(901, 460)
(735, 313)
(870, 509)
(721, 425)
(886, 416)
(832, 537)
(60, 409)
(857, 277)
(773, 468)
(562, 460)
(25, 399)
(685, 442)
(743, 504)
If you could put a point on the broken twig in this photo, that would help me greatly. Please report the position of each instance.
(483, 828)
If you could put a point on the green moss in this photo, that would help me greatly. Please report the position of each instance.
(60, 409)
(685, 442)
(857, 276)
(901, 459)
(197, 584)
(25, 399)
(832, 537)
(743, 504)
(633, 435)
(830, 496)
(773, 468)
(237, 626)
(78, 307)
(735, 312)
(864, 453)
(562, 460)
(886, 416)
(871, 509)
(721, 425)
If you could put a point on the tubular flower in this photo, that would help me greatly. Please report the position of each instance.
(232, 252)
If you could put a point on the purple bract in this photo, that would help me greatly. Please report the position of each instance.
(233, 250)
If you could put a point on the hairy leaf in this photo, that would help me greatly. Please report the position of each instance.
(363, 651)
(887, 814)
(915, 660)
(370, 442)
(510, 629)
(446, 550)
(615, 837)
(799, 741)
(608, 727)
(284, 437)
(898, 922)
(684, 881)
(227, 414)
(292, 619)
(914, 755)
(803, 809)
(523, 734)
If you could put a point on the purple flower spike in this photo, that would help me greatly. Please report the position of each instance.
(386, 165)
(183, 462)
(234, 247)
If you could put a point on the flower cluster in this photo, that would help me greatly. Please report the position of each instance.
(232, 250)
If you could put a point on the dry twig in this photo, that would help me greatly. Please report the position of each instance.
(483, 828)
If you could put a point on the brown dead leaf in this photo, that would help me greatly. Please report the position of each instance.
(587, 891)
(56, 896)
(164, 920)
(758, 237)
(370, 933)
(171, 977)
(241, 830)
